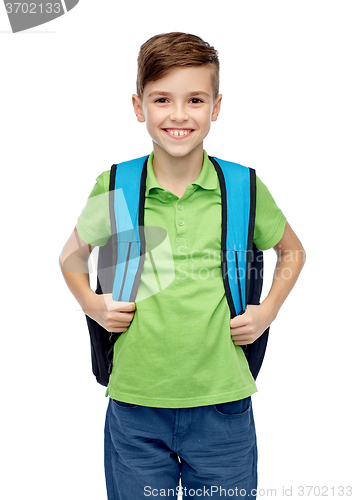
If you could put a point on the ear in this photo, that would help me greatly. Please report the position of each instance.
(137, 104)
(216, 108)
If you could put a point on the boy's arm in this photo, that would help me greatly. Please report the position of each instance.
(103, 309)
(246, 328)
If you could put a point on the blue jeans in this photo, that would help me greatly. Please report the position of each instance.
(212, 449)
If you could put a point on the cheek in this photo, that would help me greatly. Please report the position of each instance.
(204, 117)
(149, 120)
(206, 123)
(153, 119)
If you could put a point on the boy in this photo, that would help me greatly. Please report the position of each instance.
(180, 388)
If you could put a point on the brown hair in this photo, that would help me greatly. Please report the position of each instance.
(163, 52)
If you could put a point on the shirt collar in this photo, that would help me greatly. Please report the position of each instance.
(207, 178)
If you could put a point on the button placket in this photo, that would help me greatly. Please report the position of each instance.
(180, 217)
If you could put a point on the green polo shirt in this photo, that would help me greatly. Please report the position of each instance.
(178, 350)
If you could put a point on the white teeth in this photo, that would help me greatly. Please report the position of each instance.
(178, 132)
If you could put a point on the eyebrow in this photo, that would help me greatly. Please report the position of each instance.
(168, 94)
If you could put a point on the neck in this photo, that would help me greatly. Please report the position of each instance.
(175, 173)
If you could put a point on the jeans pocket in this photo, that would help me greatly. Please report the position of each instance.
(233, 408)
(122, 404)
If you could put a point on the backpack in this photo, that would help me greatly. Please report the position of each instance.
(123, 279)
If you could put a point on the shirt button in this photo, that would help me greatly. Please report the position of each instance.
(180, 207)
(180, 222)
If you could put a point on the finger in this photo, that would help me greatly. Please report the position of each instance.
(117, 324)
(114, 322)
(126, 306)
(245, 338)
(241, 330)
(240, 336)
(239, 321)
(117, 305)
(242, 342)
(119, 319)
(125, 317)
(115, 329)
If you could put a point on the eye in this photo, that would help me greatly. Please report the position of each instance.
(162, 100)
(195, 100)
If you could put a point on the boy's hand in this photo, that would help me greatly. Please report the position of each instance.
(247, 327)
(114, 316)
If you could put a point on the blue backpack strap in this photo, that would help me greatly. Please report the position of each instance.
(238, 198)
(232, 180)
(127, 220)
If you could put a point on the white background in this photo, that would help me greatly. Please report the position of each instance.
(66, 116)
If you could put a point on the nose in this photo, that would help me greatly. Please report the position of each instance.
(179, 113)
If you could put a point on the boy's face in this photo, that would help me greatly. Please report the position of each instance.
(178, 110)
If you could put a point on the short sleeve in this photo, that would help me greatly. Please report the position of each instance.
(270, 220)
(94, 225)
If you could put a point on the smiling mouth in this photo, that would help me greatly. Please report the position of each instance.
(178, 133)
